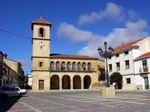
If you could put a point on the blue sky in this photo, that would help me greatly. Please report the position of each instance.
(79, 26)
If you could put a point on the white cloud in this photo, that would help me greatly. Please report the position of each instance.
(111, 12)
(131, 31)
(75, 34)
(132, 15)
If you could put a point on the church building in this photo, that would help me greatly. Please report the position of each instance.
(60, 71)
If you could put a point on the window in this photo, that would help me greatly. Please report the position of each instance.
(110, 67)
(57, 66)
(109, 57)
(79, 66)
(40, 64)
(84, 66)
(117, 55)
(127, 64)
(118, 66)
(52, 65)
(68, 66)
(63, 66)
(145, 67)
(128, 80)
(144, 63)
(73, 66)
(89, 67)
(41, 32)
(126, 52)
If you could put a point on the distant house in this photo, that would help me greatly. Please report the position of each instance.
(142, 71)
(132, 61)
(30, 80)
(10, 70)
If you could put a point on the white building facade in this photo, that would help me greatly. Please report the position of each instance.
(142, 71)
(124, 62)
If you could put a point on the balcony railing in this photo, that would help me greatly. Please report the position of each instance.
(144, 69)
(64, 70)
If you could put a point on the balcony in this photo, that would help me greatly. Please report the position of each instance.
(64, 70)
(144, 70)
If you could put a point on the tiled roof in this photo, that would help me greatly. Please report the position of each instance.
(67, 56)
(41, 21)
(127, 45)
(145, 55)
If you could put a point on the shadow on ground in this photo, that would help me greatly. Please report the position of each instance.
(6, 104)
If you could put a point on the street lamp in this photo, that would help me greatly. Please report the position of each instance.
(107, 53)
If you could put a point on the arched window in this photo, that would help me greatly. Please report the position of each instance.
(74, 66)
(89, 66)
(52, 65)
(84, 66)
(79, 66)
(57, 65)
(41, 32)
(68, 66)
(63, 66)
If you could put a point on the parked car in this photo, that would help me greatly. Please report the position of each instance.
(2, 95)
(13, 90)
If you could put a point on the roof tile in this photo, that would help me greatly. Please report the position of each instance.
(145, 55)
(41, 21)
(67, 56)
(127, 45)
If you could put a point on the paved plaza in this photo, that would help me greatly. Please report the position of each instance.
(78, 101)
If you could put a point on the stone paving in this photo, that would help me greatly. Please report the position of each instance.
(78, 101)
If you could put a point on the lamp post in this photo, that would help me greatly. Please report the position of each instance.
(107, 53)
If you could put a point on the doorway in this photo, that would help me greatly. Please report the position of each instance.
(146, 82)
(41, 84)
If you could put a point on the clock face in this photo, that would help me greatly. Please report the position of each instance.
(41, 44)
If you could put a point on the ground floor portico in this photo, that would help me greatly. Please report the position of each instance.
(71, 81)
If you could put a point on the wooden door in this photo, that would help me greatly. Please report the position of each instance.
(41, 84)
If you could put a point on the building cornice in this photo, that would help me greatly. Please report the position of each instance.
(41, 39)
(40, 57)
(40, 70)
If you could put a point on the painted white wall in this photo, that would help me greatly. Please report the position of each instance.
(144, 46)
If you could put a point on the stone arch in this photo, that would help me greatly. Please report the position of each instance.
(66, 82)
(76, 82)
(54, 82)
(87, 81)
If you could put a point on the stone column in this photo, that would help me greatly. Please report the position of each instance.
(60, 83)
(71, 83)
(82, 83)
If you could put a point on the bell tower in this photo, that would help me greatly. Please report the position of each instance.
(41, 55)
